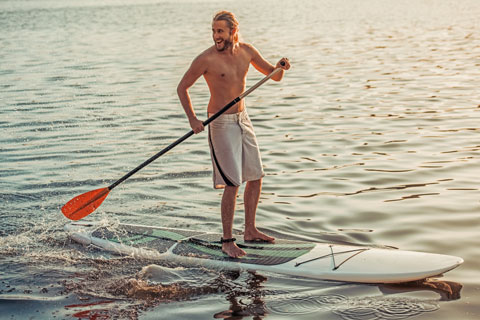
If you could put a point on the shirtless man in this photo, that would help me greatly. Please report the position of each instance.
(234, 149)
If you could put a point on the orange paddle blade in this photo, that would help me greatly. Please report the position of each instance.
(84, 204)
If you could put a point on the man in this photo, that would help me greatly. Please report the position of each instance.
(233, 145)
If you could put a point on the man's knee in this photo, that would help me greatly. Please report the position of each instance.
(255, 182)
(231, 190)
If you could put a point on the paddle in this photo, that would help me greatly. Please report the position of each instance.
(84, 204)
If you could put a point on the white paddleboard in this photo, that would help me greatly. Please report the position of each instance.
(321, 261)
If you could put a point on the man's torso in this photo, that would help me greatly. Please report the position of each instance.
(225, 76)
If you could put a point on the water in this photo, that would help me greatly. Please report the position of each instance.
(371, 138)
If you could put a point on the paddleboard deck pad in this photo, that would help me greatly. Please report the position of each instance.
(321, 261)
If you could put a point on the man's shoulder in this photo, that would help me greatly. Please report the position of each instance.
(206, 53)
(248, 48)
(204, 58)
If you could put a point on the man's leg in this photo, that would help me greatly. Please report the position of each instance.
(228, 211)
(251, 198)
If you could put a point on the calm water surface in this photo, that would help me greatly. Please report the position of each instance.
(371, 138)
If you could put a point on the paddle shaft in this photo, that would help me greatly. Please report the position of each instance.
(189, 134)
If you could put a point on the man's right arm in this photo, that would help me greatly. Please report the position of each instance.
(196, 70)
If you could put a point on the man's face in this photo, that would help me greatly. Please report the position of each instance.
(222, 35)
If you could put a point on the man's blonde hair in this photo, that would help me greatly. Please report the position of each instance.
(232, 22)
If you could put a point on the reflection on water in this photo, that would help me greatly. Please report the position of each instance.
(448, 290)
(94, 310)
(246, 303)
(247, 294)
(355, 308)
(370, 307)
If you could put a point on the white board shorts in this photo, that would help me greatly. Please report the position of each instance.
(234, 150)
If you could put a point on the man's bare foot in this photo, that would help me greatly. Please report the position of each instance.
(256, 235)
(232, 250)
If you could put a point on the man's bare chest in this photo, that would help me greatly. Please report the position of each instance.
(226, 72)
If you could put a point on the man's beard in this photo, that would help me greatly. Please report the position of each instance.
(226, 44)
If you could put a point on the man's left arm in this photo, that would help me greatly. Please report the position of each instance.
(265, 67)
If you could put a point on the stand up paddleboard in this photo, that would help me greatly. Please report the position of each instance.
(321, 261)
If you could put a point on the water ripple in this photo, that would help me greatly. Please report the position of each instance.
(353, 308)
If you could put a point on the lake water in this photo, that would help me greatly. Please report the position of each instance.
(372, 138)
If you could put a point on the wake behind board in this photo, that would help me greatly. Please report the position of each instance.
(321, 261)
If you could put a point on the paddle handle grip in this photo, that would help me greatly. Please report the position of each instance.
(189, 134)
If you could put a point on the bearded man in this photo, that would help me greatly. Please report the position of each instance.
(233, 145)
